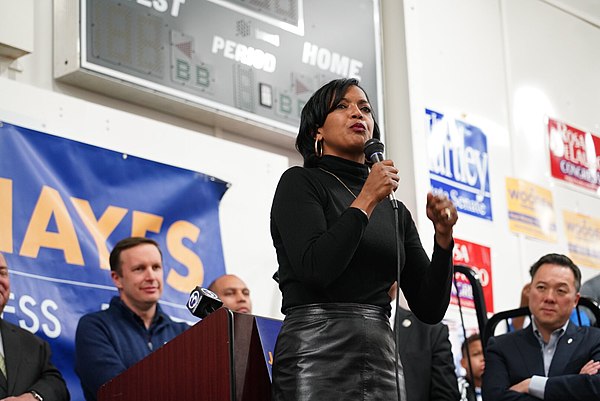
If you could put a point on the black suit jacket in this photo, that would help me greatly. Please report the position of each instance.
(426, 355)
(28, 366)
(516, 356)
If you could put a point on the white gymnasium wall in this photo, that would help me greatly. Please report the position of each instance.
(456, 66)
(488, 62)
(499, 65)
(502, 66)
(552, 70)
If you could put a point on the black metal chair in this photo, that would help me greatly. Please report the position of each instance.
(592, 306)
(478, 299)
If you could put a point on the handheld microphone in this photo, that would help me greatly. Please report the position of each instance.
(374, 153)
(203, 302)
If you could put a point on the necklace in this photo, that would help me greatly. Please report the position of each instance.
(338, 178)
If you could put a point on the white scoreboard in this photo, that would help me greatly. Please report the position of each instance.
(252, 62)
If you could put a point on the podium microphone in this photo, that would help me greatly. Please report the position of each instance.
(203, 302)
(374, 153)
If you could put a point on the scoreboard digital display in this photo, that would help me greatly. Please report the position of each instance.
(255, 59)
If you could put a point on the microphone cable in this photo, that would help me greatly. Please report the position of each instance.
(373, 150)
(397, 315)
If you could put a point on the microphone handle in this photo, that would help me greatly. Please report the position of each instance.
(378, 157)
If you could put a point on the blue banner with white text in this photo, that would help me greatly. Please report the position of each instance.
(459, 163)
(64, 204)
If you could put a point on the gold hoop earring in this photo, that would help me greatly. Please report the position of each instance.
(318, 149)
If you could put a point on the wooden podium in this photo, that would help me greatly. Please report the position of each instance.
(217, 359)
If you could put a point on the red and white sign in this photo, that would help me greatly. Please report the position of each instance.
(574, 155)
(478, 258)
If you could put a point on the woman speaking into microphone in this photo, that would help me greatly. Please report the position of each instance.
(334, 231)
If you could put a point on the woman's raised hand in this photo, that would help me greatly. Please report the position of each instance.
(443, 214)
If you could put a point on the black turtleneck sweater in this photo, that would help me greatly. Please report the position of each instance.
(330, 252)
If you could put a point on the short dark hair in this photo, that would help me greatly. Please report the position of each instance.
(560, 260)
(126, 243)
(468, 341)
(315, 111)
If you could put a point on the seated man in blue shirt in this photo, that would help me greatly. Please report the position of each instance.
(551, 359)
(110, 341)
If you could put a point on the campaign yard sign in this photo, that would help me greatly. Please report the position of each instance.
(459, 163)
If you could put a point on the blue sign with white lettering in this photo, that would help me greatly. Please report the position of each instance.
(459, 164)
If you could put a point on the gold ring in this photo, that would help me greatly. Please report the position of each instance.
(448, 213)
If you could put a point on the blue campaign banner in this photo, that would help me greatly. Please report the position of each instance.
(459, 163)
(64, 204)
(268, 330)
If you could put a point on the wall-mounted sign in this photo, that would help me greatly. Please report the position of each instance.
(459, 163)
(583, 238)
(253, 60)
(574, 155)
(530, 210)
(478, 258)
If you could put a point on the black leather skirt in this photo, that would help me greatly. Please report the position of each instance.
(339, 351)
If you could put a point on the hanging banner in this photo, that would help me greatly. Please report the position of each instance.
(63, 206)
(459, 164)
(530, 210)
(574, 155)
(478, 258)
(583, 238)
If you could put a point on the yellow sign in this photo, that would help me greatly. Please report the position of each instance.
(583, 238)
(530, 210)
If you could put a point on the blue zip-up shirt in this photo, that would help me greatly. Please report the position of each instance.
(110, 341)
